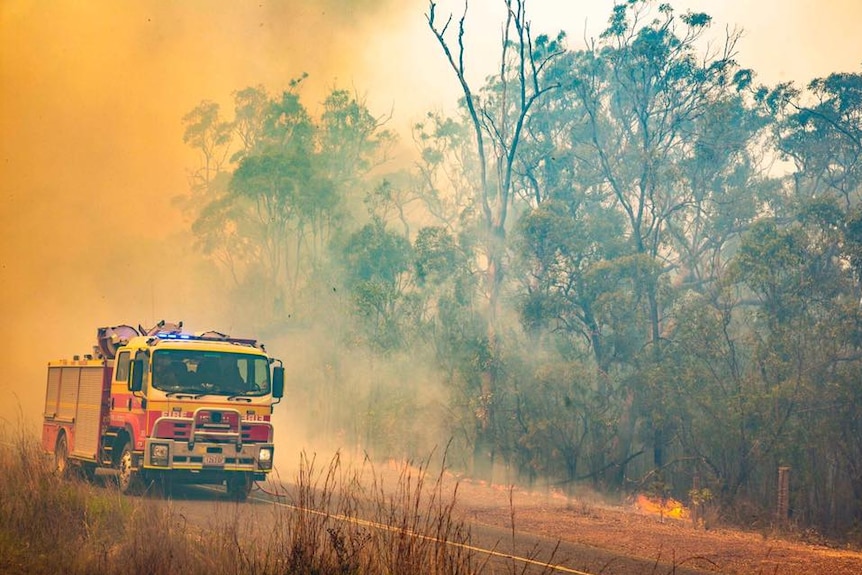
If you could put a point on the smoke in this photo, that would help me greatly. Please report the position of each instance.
(91, 155)
(91, 159)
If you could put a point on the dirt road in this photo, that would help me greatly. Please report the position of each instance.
(554, 534)
(627, 533)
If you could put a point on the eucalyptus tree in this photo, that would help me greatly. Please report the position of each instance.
(211, 136)
(763, 365)
(241, 217)
(497, 115)
(280, 184)
(352, 140)
(378, 273)
(808, 321)
(640, 172)
(764, 374)
(805, 333)
(728, 177)
(643, 90)
(565, 248)
(446, 169)
(739, 371)
(820, 131)
(250, 113)
(581, 297)
(270, 183)
(208, 205)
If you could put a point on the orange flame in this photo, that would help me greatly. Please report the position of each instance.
(669, 508)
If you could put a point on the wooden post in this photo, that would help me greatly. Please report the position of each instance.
(783, 495)
(696, 500)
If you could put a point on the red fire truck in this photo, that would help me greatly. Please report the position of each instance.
(162, 405)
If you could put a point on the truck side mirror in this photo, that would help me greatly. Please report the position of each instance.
(278, 381)
(136, 381)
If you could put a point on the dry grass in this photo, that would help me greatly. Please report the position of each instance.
(335, 521)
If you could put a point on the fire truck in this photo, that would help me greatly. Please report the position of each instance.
(163, 406)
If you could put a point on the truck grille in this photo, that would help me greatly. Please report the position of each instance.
(179, 429)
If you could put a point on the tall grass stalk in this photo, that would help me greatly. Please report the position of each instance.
(331, 520)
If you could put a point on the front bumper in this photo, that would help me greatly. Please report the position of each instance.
(168, 454)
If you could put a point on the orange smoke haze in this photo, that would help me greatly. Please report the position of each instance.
(93, 94)
(91, 155)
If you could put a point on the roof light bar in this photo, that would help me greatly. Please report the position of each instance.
(175, 336)
(172, 335)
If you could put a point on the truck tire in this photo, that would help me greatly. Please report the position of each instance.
(61, 456)
(127, 476)
(239, 486)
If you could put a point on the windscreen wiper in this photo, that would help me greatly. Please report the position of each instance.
(182, 395)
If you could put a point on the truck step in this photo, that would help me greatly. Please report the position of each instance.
(107, 451)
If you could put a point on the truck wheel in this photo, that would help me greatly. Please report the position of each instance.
(61, 456)
(239, 486)
(127, 477)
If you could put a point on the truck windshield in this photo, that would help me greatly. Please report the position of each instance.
(210, 372)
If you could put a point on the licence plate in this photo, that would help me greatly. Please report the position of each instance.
(213, 459)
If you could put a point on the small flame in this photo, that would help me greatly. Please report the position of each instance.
(669, 508)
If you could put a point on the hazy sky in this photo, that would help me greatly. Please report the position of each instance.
(91, 99)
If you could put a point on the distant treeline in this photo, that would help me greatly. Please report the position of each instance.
(628, 265)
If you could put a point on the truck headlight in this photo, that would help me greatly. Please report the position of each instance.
(159, 454)
(264, 457)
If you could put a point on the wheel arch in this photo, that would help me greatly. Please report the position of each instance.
(61, 452)
(62, 433)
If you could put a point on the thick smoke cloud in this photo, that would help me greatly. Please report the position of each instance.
(92, 158)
